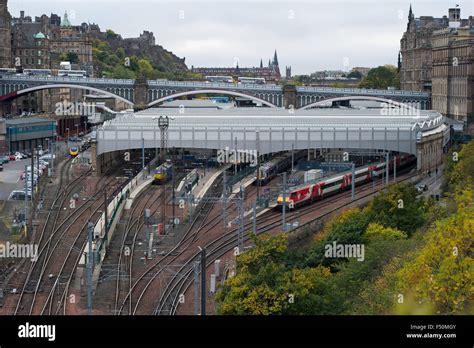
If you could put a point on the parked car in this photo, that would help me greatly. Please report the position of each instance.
(1, 167)
(37, 172)
(27, 176)
(4, 159)
(19, 195)
(422, 187)
(47, 157)
(21, 155)
(14, 157)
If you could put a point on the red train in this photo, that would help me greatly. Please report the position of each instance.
(309, 192)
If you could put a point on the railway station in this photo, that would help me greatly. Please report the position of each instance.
(156, 183)
(420, 132)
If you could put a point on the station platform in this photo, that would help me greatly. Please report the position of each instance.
(206, 181)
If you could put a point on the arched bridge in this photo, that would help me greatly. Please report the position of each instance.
(146, 93)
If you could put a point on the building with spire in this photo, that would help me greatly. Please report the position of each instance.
(437, 56)
(416, 51)
(270, 73)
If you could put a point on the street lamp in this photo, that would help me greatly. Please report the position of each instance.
(67, 129)
(77, 130)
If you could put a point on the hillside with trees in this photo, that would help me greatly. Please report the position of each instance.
(116, 57)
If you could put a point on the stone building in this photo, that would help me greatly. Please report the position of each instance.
(437, 57)
(453, 74)
(67, 38)
(416, 50)
(30, 42)
(39, 44)
(270, 73)
(5, 35)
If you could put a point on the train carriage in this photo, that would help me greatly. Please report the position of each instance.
(309, 192)
(270, 169)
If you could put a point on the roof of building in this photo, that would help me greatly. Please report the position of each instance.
(65, 23)
(266, 111)
(278, 117)
(39, 35)
(27, 120)
(24, 34)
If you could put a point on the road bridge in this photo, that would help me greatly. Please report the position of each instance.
(142, 93)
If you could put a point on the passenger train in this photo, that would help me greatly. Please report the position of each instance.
(313, 191)
(270, 169)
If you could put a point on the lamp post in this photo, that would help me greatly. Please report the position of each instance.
(67, 129)
(163, 124)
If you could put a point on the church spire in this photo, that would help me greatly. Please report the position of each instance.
(411, 17)
(261, 63)
(275, 59)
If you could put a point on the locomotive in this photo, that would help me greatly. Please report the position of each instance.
(74, 151)
(163, 173)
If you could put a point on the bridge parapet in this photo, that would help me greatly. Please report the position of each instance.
(162, 90)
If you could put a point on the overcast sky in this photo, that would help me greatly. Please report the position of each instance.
(309, 35)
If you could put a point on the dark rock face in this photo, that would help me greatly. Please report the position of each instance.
(145, 46)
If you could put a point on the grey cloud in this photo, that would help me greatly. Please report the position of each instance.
(212, 33)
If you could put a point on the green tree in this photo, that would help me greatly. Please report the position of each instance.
(356, 74)
(71, 57)
(376, 231)
(121, 72)
(346, 228)
(264, 284)
(441, 274)
(110, 34)
(398, 208)
(381, 78)
(460, 168)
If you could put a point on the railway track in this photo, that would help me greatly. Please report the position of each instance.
(140, 286)
(134, 221)
(180, 283)
(51, 254)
